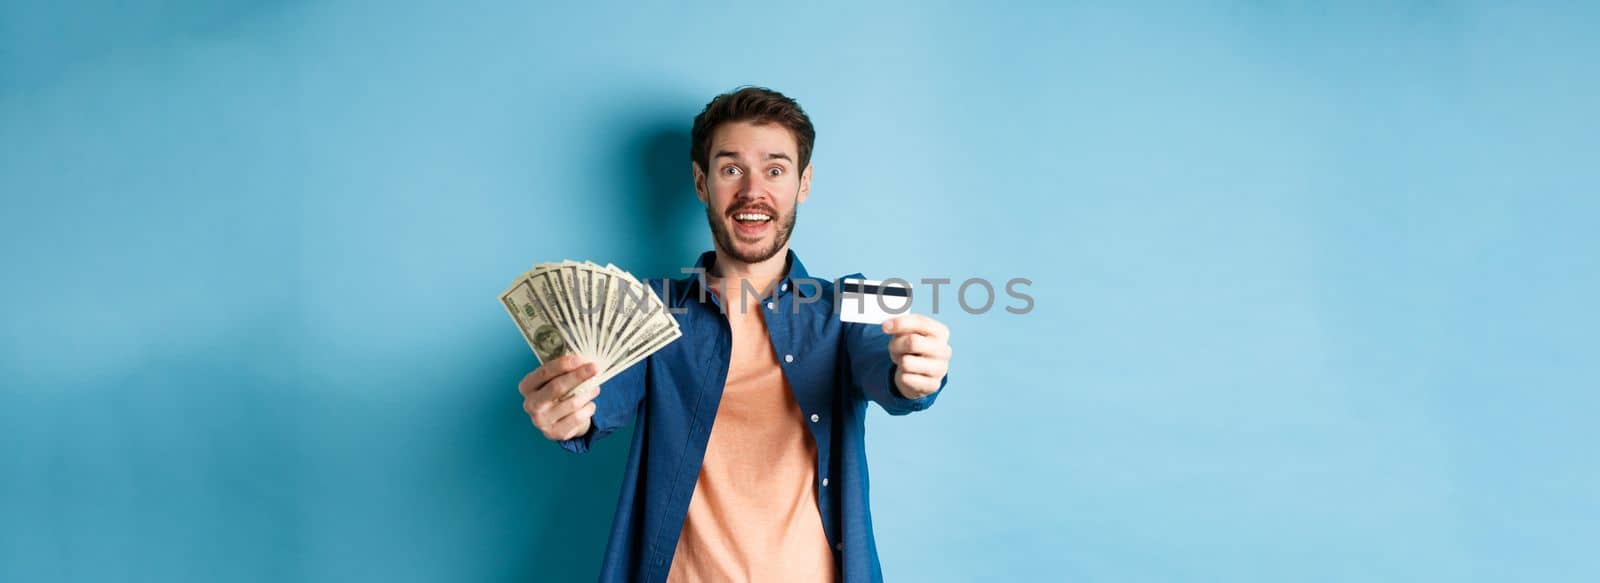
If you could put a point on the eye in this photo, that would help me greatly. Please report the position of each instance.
(775, 171)
(730, 170)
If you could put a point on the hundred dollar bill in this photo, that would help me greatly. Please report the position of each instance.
(548, 294)
(601, 313)
(541, 335)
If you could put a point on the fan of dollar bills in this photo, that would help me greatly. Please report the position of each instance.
(599, 312)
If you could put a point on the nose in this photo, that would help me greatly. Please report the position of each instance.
(751, 189)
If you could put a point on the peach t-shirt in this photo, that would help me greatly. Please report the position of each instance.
(754, 513)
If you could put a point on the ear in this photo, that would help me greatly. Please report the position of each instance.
(805, 184)
(699, 183)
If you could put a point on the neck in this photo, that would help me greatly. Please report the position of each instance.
(761, 274)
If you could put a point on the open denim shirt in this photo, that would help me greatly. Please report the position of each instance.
(834, 369)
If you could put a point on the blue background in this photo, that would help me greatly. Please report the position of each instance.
(1314, 283)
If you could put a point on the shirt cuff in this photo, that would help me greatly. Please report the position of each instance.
(581, 443)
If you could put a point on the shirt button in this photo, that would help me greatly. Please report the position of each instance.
(815, 417)
(772, 306)
(784, 287)
(788, 358)
(824, 482)
(838, 546)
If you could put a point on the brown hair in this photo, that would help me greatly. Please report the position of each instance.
(757, 105)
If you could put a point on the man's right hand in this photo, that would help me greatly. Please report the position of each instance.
(542, 391)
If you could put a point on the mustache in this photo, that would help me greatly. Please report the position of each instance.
(754, 208)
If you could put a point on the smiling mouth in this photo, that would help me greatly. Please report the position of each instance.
(751, 224)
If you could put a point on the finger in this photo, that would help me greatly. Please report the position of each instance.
(573, 425)
(916, 324)
(901, 345)
(922, 365)
(579, 414)
(547, 371)
(910, 345)
(559, 387)
(533, 380)
(916, 383)
(583, 391)
(552, 411)
(918, 344)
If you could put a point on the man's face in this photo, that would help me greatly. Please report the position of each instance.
(752, 188)
(550, 340)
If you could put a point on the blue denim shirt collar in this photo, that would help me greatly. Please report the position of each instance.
(793, 270)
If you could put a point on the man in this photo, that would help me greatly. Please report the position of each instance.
(749, 461)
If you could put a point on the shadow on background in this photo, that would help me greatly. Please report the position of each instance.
(667, 218)
(575, 496)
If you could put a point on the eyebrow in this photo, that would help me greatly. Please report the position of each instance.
(733, 154)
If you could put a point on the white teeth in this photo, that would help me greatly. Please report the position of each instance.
(752, 217)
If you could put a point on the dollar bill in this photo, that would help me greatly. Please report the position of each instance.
(542, 335)
(599, 312)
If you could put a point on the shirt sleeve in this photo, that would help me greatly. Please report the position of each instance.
(873, 371)
(617, 404)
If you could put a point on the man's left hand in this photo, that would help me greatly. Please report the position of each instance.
(921, 353)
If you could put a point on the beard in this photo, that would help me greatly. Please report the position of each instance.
(784, 223)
